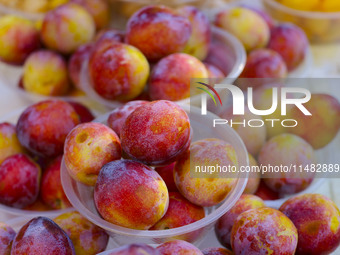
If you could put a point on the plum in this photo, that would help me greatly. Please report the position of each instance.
(117, 70)
(130, 194)
(51, 191)
(84, 113)
(156, 133)
(18, 38)
(210, 190)
(290, 42)
(76, 61)
(170, 77)
(324, 121)
(254, 178)
(178, 247)
(87, 238)
(199, 41)
(71, 22)
(287, 150)
(167, 174)
(248, 26)
(134, 249)
(42, 236)
(263, 231)
(40, 129)
(19, 181)
(158, 31)
(88, 147)
(317, 219)
(217, 251)
(9, 143)
(45, 73)
(265, 64)
(180, 213)
(118, 116)
(99, 10)
(7, 235)
(225, 223)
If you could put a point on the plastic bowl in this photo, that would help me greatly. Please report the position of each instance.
(81, 196)
(320, 27)
(235, 61)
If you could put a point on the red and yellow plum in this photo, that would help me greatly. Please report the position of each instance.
(254, 177)
(71, 22)
(317, 219)
(158, 31)
(87, 238)
(156, 133)
(40, 130)
(118, 71)
(88, 147)
(248, 26)
(18, 39)
(290, 42)
(225, 223)
(45, 73)
(263, 231)
(180, 213)
(130, 194)
(170, 77)
(215, 187)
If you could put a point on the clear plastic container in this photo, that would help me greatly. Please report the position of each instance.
(81, 196)
(236, 59)
(7, 212)
(320, 27)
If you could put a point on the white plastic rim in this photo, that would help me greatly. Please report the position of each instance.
(232, 42)
(70, 189)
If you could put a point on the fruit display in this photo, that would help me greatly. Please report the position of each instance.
(31, 156)
(157, 174)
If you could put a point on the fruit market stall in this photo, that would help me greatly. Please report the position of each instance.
(117, 136)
